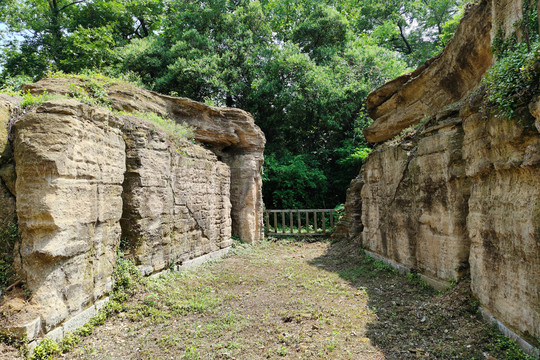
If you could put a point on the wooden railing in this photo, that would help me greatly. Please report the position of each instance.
(299, 222)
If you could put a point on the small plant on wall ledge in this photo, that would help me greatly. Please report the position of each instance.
(515, 78)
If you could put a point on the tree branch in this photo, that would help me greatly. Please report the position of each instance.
(409, 49)
(68, 5)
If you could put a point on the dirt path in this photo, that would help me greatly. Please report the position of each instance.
(294, 300)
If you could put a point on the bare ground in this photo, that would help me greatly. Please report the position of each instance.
(294, 300)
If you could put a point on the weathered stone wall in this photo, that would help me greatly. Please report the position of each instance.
(503, 163)
(176, 200)
(460, 192)
(87, 180)
(229, 133)
(70, 168)
(414, 202)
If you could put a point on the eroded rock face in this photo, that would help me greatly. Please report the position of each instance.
(70, 170)
(230, 133)
(350, 224)
(503, 163)
(414, 202)
(87, 178)
(456, 71)
(176, 199)
(459, 194)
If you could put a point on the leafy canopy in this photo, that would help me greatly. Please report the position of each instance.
(302, 67)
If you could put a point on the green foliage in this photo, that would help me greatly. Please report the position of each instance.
(416, 28)
(303, 68)
(417, 280)
(515, 78)
(126, 278)
(501, 346)
(12, 86)
(30, 100)
(175, 130)
(8, 237)
(72, 35)
(47, 349)
(368, 267)
(293, 180)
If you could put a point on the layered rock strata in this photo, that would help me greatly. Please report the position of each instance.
(230, 133)
(459, 192)
(89, 180)
(457, 70)
(175, 199)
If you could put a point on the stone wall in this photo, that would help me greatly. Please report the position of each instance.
(176, 199)
(89, 180)
(459, 192)
(229, 133)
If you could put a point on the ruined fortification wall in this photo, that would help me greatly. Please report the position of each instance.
(88, 179)
(459, 193)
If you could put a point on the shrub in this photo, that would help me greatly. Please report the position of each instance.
(514, 79)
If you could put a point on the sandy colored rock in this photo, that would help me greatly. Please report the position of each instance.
(230, 133)
(175, 199)
(444, 79)
(506, 14)
(414, 203)
(87, 177)
(70, 169)
(350, 224)
(460, 193)
(503, 162)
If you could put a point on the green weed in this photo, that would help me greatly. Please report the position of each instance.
(175, 130)
(417, 280)
(502, 347)
(31, 100)
(8, 237)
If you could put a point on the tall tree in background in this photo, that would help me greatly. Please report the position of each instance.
(302, 67)
(71, 35)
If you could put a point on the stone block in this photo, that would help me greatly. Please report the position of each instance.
(30, 329)
(78, 320)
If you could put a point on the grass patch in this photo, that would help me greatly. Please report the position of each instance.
(502, 347)
(416, 280)
(367, 267)
(175, 130)
(34, 100)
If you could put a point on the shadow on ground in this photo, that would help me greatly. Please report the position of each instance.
(413, 320)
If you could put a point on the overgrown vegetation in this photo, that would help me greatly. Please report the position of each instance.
(9, 235)
(303, 68)
(515, 78)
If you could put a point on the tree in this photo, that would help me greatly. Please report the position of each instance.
(302, 67)
(71, 35)
(412, 27)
